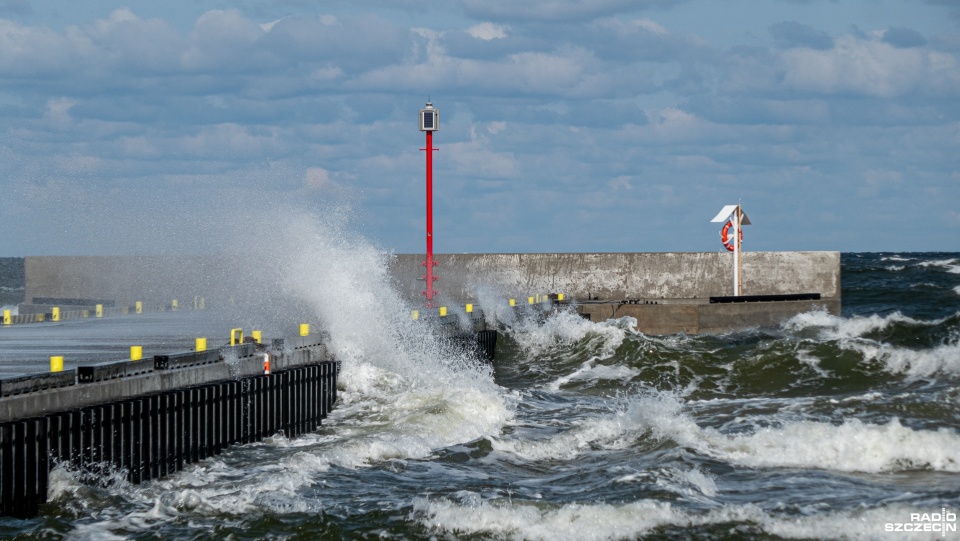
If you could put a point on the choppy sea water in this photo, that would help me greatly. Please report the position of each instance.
(822, 428)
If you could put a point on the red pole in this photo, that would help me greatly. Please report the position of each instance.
(429, 263)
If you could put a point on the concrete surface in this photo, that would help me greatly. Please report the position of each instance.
(691, 275)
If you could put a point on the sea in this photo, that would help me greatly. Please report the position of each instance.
(824, 427)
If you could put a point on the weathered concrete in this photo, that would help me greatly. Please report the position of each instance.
(693, 275)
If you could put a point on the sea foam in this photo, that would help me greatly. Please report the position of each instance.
(852, 446)
(512, 519)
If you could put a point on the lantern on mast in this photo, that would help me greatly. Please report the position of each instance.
(429, 123)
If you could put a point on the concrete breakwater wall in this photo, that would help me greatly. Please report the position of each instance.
(689, 275)
(121, 280)
(184, 408)
(667, 292)
(668, 275)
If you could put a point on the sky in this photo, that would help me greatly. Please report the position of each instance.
(565, 125)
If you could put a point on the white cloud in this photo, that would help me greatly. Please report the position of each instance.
(649, 25)
(496, 127)
(488, 31)
(58, 111)
(870, 68)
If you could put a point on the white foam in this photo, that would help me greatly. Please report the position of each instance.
(914, 363)
(853, 446)
(849, 332)
(833, 327)
(566, 328)
(950, 265)
(811, 360)
(659, 414)
(600, 521)
(591, 371)
(414, 392)
(511, 520)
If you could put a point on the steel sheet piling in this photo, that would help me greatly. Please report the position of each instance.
(155, 435)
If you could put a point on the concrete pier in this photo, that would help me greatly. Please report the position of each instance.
(151, 421)
(667, 293)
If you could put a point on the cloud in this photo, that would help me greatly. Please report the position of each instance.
(790, 34)
(557, 10)
(899, 36)
(606, 107)
(854, 66)
(488, 31)
(58, 111)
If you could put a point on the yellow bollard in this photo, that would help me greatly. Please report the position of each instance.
(257, 336)
(443, 311)
(55, 314)
(201, 344)
(236, 336)
(304, 329)
(559, 296)
(99, 310)
(529, 300)
(139, 307)
(174, 306)
(136, 353)
(7, 320)
(469, 308)
(56, 364)
(415, 315)
(513, 302)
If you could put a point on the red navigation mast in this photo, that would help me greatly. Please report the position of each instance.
(429, 123)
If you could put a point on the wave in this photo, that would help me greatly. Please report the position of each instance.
(469, 514)
(832, 327)
(853, 446)
(951, 265)
(414, 391)
(944, 359)
(851, 334)
(591, 371)
(566, 328)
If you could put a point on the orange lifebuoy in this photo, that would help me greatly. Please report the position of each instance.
(728, 241)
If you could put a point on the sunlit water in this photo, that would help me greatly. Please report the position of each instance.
(824, 427)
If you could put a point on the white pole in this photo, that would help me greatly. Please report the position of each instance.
(736, 252)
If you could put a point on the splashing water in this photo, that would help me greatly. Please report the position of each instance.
(825, 427)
